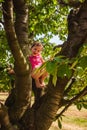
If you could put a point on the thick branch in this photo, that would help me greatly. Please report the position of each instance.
(4, 119)
(51, 104)
(21, 24)
(12, 38)
(22, 74)
(77, 26)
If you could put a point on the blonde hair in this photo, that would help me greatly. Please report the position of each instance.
(37, 44)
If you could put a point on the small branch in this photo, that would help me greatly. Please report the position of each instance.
(79, 95)
(70, 86)
(20, 60)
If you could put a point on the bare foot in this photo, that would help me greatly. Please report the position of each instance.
(38, 85)
(43, 84)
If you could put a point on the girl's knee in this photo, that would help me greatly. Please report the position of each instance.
(33, 76)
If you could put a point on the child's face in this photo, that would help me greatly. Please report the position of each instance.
(36, 50)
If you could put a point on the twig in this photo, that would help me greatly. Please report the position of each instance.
(79, 95)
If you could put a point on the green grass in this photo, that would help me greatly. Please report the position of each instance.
(78, 121)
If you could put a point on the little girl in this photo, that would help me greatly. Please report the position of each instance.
(36, 61)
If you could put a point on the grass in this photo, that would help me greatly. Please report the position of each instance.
(71, 123)
(73, 120)
(78, 121)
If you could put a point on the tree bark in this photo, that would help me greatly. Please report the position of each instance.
(22, 73)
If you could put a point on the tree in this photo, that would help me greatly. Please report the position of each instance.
(19, 114)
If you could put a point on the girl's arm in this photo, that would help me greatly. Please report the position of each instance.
(42, 59)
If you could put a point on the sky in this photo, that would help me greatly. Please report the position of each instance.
(56, 40)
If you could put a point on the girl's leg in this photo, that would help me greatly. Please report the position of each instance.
(38, 85)
(37, 76)
(43, 77)
(40, 77)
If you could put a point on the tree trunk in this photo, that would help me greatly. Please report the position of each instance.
(22, 72)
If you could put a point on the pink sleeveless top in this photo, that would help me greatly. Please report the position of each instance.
(35, 61)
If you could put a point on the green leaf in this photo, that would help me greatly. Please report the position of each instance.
(54, 77)
(85, 106)
(79, 106)
(79, 70)
(59, 124)
(55, 2)
(66, 1)
(50, 67)
(59, 59)
(83, 62)
(64, 70)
